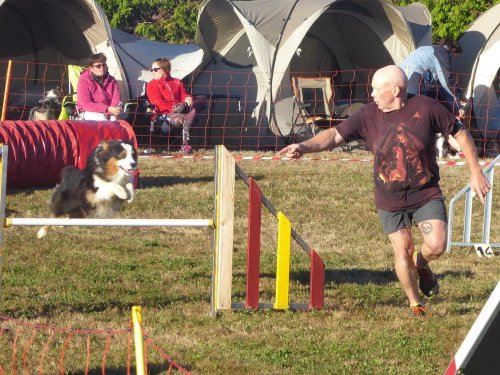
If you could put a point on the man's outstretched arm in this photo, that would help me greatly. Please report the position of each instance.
(326, 140)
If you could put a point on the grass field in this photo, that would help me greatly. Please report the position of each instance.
(88, 278)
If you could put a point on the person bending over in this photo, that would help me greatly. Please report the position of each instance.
(400, 130)
(98, 96)
(428, 69)
(173, 106)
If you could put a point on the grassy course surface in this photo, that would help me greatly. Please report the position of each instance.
(88, 278)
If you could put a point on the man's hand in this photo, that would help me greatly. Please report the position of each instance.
(479, 185)
(292, 151)
(478, 182)
(189, 101)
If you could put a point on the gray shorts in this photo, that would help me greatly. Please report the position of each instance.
(394, 221)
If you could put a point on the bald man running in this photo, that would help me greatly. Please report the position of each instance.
(400, 130)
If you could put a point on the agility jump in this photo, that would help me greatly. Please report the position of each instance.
(222, 224)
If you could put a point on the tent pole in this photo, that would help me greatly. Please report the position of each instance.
(272, 114)
(8, 77)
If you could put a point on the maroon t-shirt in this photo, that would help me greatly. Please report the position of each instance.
(403, 142)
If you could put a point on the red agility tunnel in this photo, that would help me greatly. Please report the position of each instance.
(38, 150)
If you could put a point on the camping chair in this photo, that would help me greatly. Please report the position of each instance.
(313, 97)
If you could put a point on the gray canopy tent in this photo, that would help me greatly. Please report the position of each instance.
(253, 48)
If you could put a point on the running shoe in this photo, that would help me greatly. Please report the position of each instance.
(419, 311)
(427, 280)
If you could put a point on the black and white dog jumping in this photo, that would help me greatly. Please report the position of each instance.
(100, 189)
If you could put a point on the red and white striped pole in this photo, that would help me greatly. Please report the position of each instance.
(473, 346)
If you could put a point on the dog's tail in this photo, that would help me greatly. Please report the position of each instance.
(66, 199)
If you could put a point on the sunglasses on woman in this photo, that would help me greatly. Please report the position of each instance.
(155, 69)
(99, 66)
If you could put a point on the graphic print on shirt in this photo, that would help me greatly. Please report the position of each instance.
(401, 160)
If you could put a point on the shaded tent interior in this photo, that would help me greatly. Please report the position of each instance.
(49, 35)
(252, 51)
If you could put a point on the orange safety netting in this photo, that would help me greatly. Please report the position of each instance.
(33, 348)
(242, 111)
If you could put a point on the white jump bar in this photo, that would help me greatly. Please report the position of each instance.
(109, 222)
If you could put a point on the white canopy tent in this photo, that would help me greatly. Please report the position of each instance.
(479, 68)
(136, 55)
(258, 45)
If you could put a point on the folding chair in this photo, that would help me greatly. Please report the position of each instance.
(313, 97)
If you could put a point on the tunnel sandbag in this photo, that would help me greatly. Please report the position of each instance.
(38, 150)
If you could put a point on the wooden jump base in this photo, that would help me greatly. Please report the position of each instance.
(223, 226)
(285, 233)
(222, 265)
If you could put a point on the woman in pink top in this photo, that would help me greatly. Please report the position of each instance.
(98, 96)
(172, 104)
